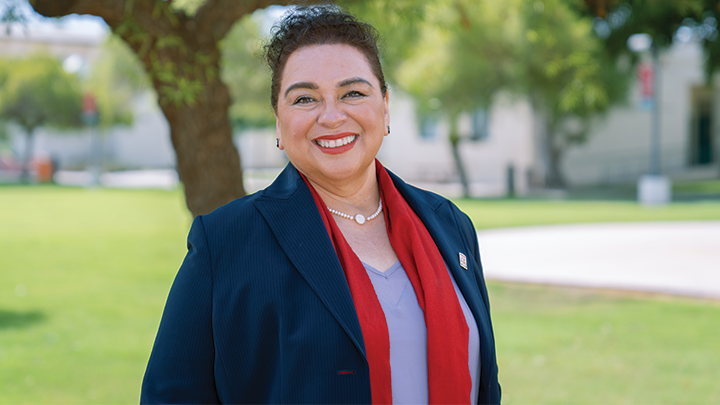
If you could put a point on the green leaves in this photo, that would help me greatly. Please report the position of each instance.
(462, 53)
(116, 78)
(246, 75)
(182, 92)
(567, 71)
(36, 91)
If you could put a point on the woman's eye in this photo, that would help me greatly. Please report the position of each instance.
(303, 100)
(354, 94)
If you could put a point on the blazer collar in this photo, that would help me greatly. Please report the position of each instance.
(289, 209)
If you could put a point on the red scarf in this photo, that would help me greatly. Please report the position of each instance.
(449, 379)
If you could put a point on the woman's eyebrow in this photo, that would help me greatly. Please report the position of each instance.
(348, 82)
(301, 85)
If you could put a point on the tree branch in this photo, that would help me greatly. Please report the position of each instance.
(218, 16)
(110, 10)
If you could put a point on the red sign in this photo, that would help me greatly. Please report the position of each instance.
(88, 104)
(646, 76)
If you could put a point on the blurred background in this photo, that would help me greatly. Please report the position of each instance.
(539, 118)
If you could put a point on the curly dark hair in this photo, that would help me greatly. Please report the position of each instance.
(319, 25)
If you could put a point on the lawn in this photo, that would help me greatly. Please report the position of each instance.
(698, 187)
(84, 275)
(581, 346)
(507, 213)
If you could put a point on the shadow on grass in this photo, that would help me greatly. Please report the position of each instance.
(17, 319)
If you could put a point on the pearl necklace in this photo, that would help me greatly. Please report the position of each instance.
(359, 218)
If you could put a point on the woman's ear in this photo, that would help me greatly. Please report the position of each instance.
(278, 135)
(387, 111)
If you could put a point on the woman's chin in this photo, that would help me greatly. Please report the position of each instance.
(340, 171)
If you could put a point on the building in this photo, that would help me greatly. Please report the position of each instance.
(618, 150)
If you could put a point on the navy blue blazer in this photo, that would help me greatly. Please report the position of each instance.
(260, 311)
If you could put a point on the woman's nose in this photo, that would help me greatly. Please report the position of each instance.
(331, 116)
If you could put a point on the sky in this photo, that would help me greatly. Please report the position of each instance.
(90, 26)
(80, 25)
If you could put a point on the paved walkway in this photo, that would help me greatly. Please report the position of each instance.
(671, 257)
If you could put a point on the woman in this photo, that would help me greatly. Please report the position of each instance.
(339, 283)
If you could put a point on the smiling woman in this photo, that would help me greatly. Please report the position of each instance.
(339, 283)
(331, 120)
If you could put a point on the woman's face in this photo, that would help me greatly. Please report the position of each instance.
(331, 115)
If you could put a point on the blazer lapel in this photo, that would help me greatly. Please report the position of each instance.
(290, 211)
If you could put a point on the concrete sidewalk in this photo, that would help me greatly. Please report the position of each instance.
(680, 258)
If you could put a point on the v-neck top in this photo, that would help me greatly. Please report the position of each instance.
(408, 335)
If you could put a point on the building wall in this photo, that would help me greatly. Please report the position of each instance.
(429, 162)
(618, 149)
(51, 39)
(143, 145)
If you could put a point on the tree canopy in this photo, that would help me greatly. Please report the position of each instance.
(114, 80)
(36, 92)
(569, 78)
(246, 75)
(462, 53)
(615, 21)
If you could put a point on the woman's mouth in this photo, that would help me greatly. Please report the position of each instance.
(335, 143)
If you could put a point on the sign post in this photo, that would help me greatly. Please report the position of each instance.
(90, 117)
(653, 188)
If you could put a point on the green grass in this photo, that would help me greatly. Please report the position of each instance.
(579, 346)
(96, 266)
(698, 187)
(508, 213)
(84, 275)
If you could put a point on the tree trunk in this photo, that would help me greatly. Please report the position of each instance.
(29, 138)
(549, 152)
(208, 163)
(186, 75)
(454, 146)
(555, 177)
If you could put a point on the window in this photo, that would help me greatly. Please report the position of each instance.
(701, 142)
(480, 124)
(428, 127)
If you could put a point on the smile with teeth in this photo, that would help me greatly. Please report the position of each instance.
(335, 143)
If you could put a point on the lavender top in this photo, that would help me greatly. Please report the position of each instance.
(408, 335)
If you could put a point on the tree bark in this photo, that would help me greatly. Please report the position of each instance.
(455, 147)
(182, 57)
(208, 163)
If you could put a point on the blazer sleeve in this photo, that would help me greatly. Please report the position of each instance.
(181, 366)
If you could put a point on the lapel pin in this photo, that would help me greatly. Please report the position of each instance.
(463, 261)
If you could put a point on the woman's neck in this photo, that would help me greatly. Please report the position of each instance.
(358, 195)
